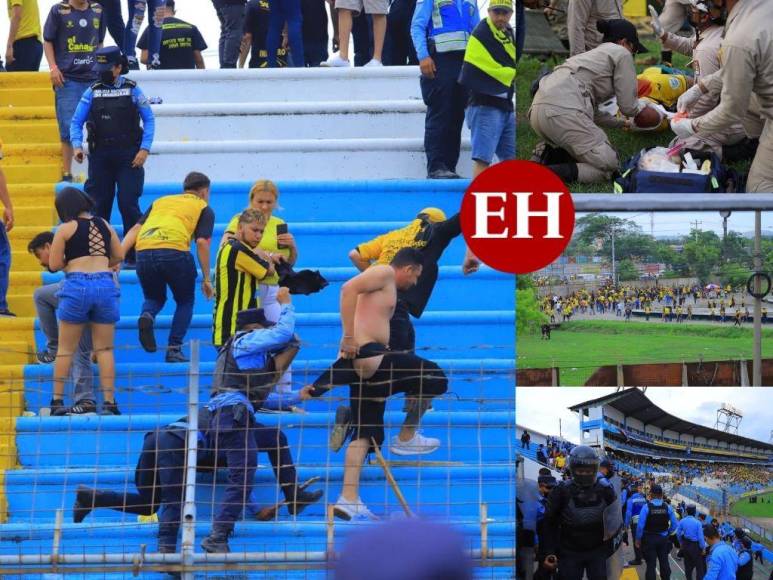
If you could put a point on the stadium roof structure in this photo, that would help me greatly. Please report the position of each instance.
(634, 403)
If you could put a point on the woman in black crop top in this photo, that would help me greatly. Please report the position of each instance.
(86, 248)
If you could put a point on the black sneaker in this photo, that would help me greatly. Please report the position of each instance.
(147, 337)
(8, 313)
(67, 177)
(83, 407)
(57, 407)
(216, 543)
(303, 499)
(442, 174)
(341, 428)
(175, 355)
(84, 502)
(110, 408)
(45, 357)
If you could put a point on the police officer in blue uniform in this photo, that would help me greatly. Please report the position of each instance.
(247, 369)
(693, 544)
(634, 506)
(575, 523)
(656, 523)
(118, 145)
(722, 561)
(160, 481)
(745, 559)
(440, 30)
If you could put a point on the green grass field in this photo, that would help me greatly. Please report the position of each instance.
(755, 510)
(626, 143)
(579, 348)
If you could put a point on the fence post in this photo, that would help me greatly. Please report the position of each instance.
(189, 508)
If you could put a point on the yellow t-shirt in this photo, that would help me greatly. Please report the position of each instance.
(382, 249)
(560, 462)
(30, 18)
(268, 243)
(172, 221)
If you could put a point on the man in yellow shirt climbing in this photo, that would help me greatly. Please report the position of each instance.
(163, 237)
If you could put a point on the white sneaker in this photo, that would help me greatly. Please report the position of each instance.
(352, 510)
(418, 445)
(374, 62)
(336, 61)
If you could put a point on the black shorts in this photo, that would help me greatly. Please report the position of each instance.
(398, 373)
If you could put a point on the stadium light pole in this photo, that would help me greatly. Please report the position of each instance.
(757, 362)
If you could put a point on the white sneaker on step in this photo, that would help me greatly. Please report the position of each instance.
(374, 62)
(353, 510)
(336, 61)
(417, 445)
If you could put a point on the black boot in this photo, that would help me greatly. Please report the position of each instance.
(84, 503)
(300, 500)
(566, 171)
(217, 541)
(57, 407)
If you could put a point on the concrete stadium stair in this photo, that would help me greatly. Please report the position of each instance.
(360, 185)
(356, 124)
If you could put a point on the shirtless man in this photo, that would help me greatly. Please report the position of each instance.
(374, 373)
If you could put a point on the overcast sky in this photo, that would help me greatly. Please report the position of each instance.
(680, 223)
(541, 408)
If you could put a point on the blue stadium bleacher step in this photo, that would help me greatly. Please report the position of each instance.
(92, 440)
(480, 384)
(36, 494)
(454, 291)
(321, 332)
(396, 200)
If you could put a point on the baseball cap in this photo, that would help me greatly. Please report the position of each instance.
(252, 316)
(501, 4)
(434, 214)
(108, 57)
(618, 29)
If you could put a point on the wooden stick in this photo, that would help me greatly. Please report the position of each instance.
(269, 513)
(330, 531)
(483, 531)
(391, 479)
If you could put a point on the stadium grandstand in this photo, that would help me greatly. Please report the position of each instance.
(345, 148)
(726, 476)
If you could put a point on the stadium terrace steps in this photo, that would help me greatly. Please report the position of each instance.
(114, 443)
(361, 124)
(239, 126)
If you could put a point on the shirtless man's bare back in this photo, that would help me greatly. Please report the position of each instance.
(374, 373)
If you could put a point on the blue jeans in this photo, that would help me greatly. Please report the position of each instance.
(279, 12)
(110, 171)
(27, 54)
(137, 9)
(159, 269)
(66, 98)
(493, 132)
(89, 297)
(46, 303)
(231, 18)
(5, 266)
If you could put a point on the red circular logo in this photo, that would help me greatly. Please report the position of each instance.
(517, 216)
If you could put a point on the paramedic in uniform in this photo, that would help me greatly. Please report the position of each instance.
(582, 16)
(704, 50)
(747, 68)
(564, 112)
(672, 18)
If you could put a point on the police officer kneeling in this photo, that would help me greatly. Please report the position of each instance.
(583, 520)
(247, 369)
(656, 523)
(118, 146)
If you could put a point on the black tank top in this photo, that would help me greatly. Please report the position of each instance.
(91, 238)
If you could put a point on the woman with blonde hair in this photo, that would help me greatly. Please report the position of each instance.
(277, 243)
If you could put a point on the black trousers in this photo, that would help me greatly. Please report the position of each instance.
(573, 565)
(446, 100)
(693, 560)
(656, 549)
(398, 45)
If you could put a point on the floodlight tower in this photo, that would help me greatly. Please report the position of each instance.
(728, 419)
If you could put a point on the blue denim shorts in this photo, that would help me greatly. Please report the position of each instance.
(493, 132)
(92, 297)
(67, 99)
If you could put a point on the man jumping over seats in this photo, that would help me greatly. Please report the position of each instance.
(375, 373)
